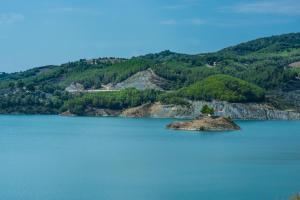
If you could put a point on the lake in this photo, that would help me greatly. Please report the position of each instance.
(82, 158)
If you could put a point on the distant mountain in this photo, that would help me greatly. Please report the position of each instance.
(266, 63)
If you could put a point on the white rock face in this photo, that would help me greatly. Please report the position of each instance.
(158, 110)
(245, 111)
(143, 80)
(295, 64)
(75, 87)
(250, 111)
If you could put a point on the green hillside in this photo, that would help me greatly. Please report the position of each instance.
(224, 88)
(261, 63)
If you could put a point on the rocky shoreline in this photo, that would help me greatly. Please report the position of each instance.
(214, 124)
(239, 111)
(236, 111)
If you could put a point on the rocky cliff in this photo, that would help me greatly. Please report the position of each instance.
(158, 110)
(250, 111)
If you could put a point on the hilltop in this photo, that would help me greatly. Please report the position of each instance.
(258, 71)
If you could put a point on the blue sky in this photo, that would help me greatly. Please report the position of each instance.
(38, 32)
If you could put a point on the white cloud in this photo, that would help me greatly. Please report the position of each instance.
(193, 22)
(168, 22)
(10, 18)
(75, 10)
(282, 7)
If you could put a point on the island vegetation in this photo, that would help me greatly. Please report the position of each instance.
(206, 110)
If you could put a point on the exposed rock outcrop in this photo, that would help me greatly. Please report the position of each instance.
(158, 110)
(95, 112)
(250, 111)
(67, 114)
(206, 124)
(102, 112)
(245, 111)
(143, 80)
(140, 111)
(295, 64)
(75, 87)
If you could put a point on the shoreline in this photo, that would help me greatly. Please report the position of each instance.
(124, 117)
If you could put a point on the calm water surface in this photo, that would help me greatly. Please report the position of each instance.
(60, 158)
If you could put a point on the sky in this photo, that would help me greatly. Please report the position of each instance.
(37, 32)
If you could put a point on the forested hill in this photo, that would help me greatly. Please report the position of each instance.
(266, 45)
(263, 65)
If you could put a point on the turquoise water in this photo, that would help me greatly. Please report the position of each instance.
(60, 158)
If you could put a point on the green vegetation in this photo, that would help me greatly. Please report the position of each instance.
(206, 110)
(171, 98)
(119, 100)
(295, 71)
(262, 62)
(225, 88)
(234, 74)
(110, 100)
(32, 102)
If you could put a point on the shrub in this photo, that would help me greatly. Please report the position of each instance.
(206, 110)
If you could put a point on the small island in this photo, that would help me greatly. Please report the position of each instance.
(208, 122)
